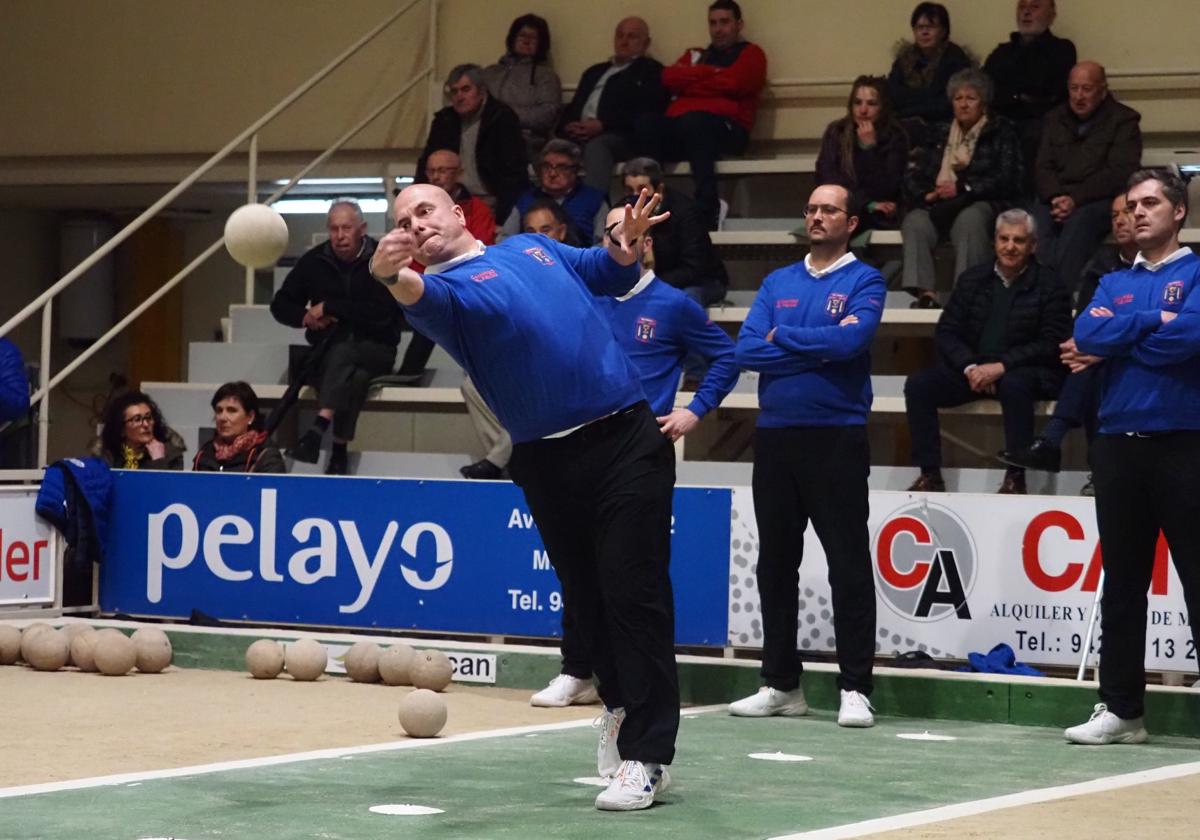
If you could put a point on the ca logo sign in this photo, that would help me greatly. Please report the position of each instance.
(925, 563)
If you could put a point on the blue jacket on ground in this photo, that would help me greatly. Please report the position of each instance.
(814, 372)
(657, 326)
(14, 383)
(1151, 381)
(520, 318)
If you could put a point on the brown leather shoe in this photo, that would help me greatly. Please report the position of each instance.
(1014, 484)
(928, 483)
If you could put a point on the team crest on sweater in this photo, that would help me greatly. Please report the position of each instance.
(644, 330)
(835, 304)
(540, 255)
(1173, 292)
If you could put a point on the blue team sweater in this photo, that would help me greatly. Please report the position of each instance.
(814, 373)
(1151, 382)
(657, 328)
(520, 320)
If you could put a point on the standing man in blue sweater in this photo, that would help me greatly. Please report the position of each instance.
(1145, 320)
(597, 473)
(657, 326)
(809, 335)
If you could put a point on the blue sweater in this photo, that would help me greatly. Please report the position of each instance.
(657, 328)
(1151, 382)
(520, 319)
(581, 205)
(814, 373)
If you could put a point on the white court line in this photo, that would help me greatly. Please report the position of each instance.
(312, 755)
(996, 803)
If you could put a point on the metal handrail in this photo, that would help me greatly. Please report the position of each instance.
(44, 301)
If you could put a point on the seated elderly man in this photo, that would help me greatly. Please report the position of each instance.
(1090, 146)
(610, 97)
(684, 256)
(486, 135)
(998, 337)
(558, 179)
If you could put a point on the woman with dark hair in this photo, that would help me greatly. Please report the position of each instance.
(866, 152)
(522, 80)
(240, 444)
(923, 66)
(956, 184)
(135, 437)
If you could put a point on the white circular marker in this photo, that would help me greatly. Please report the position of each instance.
(925, 736)
(780, 756)
(405, 810)
(597, 781)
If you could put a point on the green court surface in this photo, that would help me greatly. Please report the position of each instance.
(522, 785)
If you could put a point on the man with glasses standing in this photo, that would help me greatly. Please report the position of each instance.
(558, 179)
(808, 335)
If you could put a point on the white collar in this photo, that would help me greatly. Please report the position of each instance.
(1005, 280)
(842, 261)
(1139, 260)
(644, 281)
(438, 268)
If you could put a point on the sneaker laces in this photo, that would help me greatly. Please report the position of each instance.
(633, 777)
(561, 679)
(858, 700)
(1098, 711)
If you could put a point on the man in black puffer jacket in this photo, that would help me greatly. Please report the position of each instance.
(354, 320)
(998, 337)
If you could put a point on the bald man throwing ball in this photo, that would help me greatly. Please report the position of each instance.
(596, 471)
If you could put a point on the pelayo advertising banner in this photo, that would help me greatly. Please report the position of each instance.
(963, 572)
(449, 556)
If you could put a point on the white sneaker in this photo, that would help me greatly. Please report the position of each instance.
(565, 690)
(1103, 727)
(855, 710)
(608, 759)
(771, 701)
(634, 787)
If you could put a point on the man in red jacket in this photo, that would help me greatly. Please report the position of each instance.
(443, 168)
(714, 97)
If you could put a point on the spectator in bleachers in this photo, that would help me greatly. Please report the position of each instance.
(486, 134)
(352, 323)
(240, 443)
(548, 218)
(684, 256)
(866, 152)
(998, 338)
(714, 98)
(1090, 146)
(1030, 72)
(809, 335)
(1079, 399)
(922, 69)
(610, 98)
(443, 168)
(658, 327)
(135, 436)
(14, 382)
(956, 185)
(523, 80)
(558, 165)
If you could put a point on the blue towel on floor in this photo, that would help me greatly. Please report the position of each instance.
(1000, 660)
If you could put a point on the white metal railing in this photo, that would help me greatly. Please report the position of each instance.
(45, 301)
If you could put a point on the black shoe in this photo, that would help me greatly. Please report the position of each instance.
(338, 464)
(928, 483)
(1013, 484)
(308, 448)
(483, 470)
(1042, 455)
(1088, 489)
(925, 302)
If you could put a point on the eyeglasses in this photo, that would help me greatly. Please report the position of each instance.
(558, 168)
(823, 209)
(139, 419)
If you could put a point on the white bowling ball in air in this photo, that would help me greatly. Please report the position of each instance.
(256, 235)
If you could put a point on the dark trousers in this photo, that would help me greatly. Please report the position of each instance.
(1070, 245)
(701, 139)
(342, 378)
(1079, 400)
(940, 387)
(1142, 485)
(818, 474)
(417, 355)
(601, 498)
